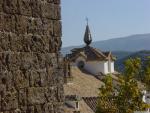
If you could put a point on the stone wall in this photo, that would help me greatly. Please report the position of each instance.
(30, 63)
(67, 71)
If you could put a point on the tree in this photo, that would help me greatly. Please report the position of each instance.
(132, 68)
(147, 73)
(106, 94)
(129, 98)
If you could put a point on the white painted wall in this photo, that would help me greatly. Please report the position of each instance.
(95, 67)
(112, 67)
(109, 66)
(105, 67)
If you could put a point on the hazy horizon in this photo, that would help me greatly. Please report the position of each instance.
(106, 39)
(107, 19)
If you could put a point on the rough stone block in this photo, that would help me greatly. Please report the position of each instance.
(50, 1)
(52, 44)
(16, 42)
(36, 8)
(38, 26)
(55, 46)
(48, 108)
(10, 41)
(26, 62)
(51, 60)
(10, 61)
(49, 71)
(45, 39)
(21, 80)
(36, 95)
(60, 61)
(41, 60)
(1, 23)
(27, 43)
(25, 7)
(57, 10)
(47, 10)
(50, 94)
(52, 79)
(43, 78)
(57, 28)
(30, 109)
(60, 96)
(8, 22)
(2, 89)
(38, 43)
(7, 80)
(4, 42)
(35, 79)
(22, 97)
(0, 105)
(21, 24)
(57, 1)
(38, 109)
(10, 6)
(58, 43)
(1, 5)
(23, 109)
(35, 26)
(9, 101)
(34, 43)
(47, 26)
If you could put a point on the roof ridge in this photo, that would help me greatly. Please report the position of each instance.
(97, 52)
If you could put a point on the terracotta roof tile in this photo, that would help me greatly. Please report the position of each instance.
(91, 102)
(89, 53)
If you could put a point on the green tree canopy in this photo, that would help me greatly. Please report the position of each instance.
(147, 73)
(129, 97)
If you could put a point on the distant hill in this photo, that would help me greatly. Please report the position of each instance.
(121, 54)
(130, 43)
(119, 64)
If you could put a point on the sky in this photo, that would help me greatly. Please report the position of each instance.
(107, 19)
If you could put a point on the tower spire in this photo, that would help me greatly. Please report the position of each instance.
(87, 35)
(87, 20)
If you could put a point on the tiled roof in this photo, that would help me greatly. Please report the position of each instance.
(89, 53)
(83, 84)
(107, 53)
(84, 108)
(91, 102)
(87, 87)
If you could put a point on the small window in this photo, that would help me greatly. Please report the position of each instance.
(81, 64)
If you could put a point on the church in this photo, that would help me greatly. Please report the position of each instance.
(91, 59)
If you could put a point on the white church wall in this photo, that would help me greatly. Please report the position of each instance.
(109, 66)
(112, 67)
(106, 67)
(95, 67)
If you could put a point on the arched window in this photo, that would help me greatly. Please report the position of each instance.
(81, 64)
